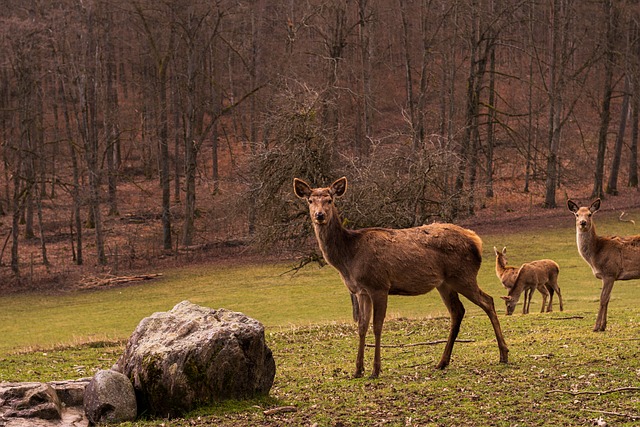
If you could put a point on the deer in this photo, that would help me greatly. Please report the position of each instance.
(611, 258)
(540, 274)
(374, 263)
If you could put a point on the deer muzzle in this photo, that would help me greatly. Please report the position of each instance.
(320, 217)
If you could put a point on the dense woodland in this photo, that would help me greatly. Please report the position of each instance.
(137, 129)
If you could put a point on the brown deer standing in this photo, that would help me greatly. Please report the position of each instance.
(377, 262)
(611, 258)
(541, 275)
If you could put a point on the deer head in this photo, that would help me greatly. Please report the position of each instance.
(501, 256)
(583, 214)
(510, 302)
(321, 207)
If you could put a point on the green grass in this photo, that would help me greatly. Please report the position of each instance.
(307, 318)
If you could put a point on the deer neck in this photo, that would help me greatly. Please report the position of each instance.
(333, 240)
(586, 241)
(500, 267)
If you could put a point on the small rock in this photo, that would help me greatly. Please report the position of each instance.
(109, 398)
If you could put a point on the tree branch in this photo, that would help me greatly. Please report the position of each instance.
(597, 393)
(618, 414)
(415, 344)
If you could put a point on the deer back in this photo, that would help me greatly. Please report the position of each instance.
(617, 257)
(412, 261)
(535, 273)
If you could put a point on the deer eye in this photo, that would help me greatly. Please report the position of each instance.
(330, 201)
(309, 200)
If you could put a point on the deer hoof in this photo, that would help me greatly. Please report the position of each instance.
(374, 375)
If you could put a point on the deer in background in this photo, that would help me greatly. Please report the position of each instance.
(377, 262)
(610, 258)
(541, 275)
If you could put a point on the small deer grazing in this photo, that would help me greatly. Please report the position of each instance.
(611, 258)
(377, 262)
(541, 275)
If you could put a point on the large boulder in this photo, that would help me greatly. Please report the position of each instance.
(193, 356)
(109, 398)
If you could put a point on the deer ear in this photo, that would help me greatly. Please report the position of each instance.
(572, 206)
(594, 206)
(339, 187)
(301, 188)
(504, 250)
(495, 250)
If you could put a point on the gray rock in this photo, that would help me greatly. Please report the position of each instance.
(33, 400)
(70, 392)
(31, 404)
(109, 398)
(193, 356)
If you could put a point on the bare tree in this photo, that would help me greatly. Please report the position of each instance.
(607, 91)
(612, 185)
(88, 125)
(161, 49)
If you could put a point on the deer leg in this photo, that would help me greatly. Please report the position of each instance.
(527, 301)
(456, 311)
(364, 311)
(551, 293)
(545, 295)
(379, 312)
(477, 296)
(601, 320)
(557, 289)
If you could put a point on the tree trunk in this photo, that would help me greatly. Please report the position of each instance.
(555, 107)
(188, 227)
(612, 185)
(89, 132)
(15, 218)
(111, 119)
(633, 157)
(364, 37)
(605, 113)
(491, 123)
(408, 76)
(165, 182)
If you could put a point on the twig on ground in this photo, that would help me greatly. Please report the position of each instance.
(566, 318)
(415, 344)
(541, 356)
(280, 410)
(597, 393)
(618, 414)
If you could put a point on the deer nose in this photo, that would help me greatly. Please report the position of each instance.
(320, 216)
(583, 223)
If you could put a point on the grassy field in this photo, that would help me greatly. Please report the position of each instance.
(560, 373)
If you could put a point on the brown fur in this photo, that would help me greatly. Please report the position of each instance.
(610, 258)
(541, 275)
(377, 262)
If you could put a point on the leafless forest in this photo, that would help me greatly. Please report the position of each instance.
(135, 131)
